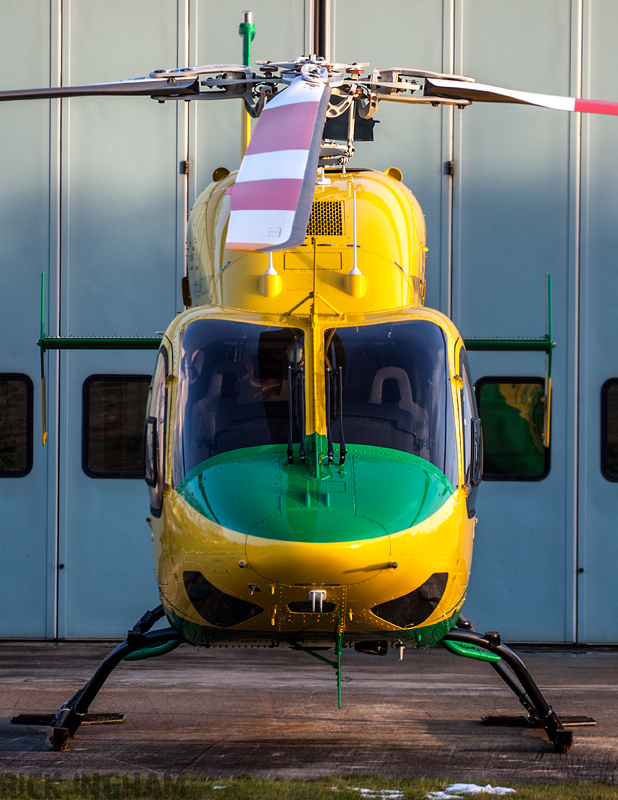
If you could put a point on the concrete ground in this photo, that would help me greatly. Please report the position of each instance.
(229, 712)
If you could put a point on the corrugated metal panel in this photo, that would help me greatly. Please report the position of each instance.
(598, 498)
(511, 225)
(26, 582)
(405, 34)
(121, 223)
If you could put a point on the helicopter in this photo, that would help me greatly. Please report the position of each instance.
(306, 346)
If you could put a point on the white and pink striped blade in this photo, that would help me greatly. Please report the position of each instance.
(482, 93)
(273, 194)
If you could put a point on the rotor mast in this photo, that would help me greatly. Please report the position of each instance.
(320, 43)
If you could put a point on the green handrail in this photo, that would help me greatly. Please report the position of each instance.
(544, 345)
(99, 343)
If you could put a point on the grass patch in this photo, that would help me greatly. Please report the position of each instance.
(119, 787)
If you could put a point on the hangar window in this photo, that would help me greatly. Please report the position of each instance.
(512, 415)
(15, 425)
(113, 425)
(609, 429)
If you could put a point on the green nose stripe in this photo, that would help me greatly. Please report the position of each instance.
(377, 491)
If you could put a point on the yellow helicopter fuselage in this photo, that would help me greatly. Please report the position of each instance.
(308, 476)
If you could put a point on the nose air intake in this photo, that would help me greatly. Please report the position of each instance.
(216, 607)
(307, 607)
(414, 608)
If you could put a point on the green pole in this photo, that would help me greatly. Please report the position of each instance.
(43, 397)
(338, 654)
(548, 361)
(550, 322)
(246, 29)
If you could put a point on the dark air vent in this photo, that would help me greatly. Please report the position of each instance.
(326, 218)
(305, 607)
(414, 608)
(216, 607)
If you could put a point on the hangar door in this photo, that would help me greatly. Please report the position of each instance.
(515, 205)
(97, 198)
(126, 240)
(598, 350)
(535, 193)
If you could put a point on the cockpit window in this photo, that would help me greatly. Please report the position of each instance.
(233, 389)
(394, 389)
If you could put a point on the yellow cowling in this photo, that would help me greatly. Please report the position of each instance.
(390, 251)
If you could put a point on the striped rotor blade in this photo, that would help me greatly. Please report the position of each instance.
(273, 194)
(482, 93)
(135, 86)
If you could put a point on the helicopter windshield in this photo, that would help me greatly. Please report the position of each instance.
(233, 389)
(394, 388)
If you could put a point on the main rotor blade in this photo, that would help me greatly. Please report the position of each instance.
(482, 93)
(135, 86)
(273, 194)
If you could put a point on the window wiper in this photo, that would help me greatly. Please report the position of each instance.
(296, 410)
(329, 438)
(334, 406)
(342, 448)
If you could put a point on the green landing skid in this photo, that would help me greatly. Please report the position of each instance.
(470, 651)
(153, 651)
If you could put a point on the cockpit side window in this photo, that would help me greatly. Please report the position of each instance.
(234, 390)
(472, 438)
(154, 441)
(394, 389)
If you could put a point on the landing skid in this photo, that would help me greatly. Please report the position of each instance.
(140, 643)
(515, 674)
(463, 640)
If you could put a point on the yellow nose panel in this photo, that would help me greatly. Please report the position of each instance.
(320, 563)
